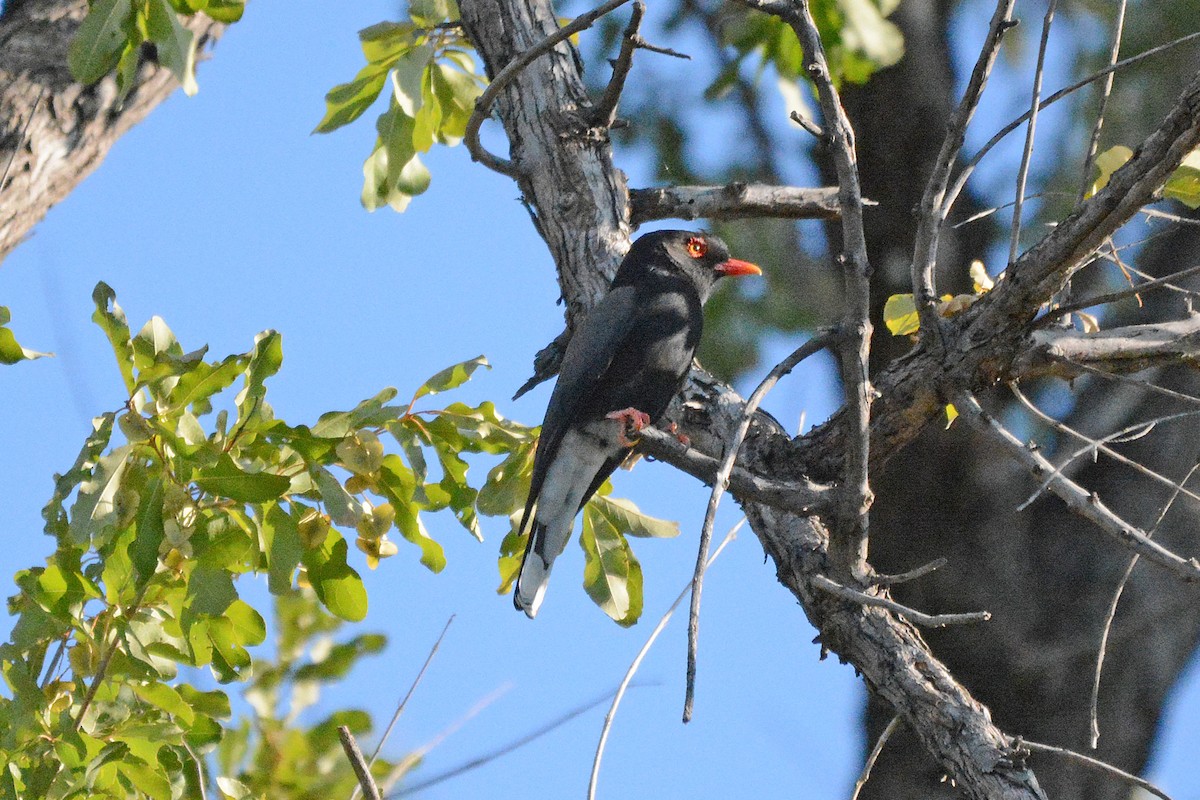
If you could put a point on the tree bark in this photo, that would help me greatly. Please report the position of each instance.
(53, 131)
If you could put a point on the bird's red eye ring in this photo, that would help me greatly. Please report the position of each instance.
(697, 247)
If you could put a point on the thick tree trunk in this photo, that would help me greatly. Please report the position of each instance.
(53, 131)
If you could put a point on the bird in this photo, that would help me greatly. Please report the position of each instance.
(623, 365)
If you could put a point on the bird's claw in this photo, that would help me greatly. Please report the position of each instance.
(683, 438)
(632, 421)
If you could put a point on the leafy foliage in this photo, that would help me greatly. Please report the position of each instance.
(1183, 185)
(427, 63)
(113, 35)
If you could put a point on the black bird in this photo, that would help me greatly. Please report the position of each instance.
(623, 365)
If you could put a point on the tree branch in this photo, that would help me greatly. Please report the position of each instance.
(734, 201)
(1061, 352)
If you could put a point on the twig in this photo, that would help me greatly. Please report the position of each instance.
(200, 779)
(732, 201)
(874, 756)
(1030, 132)
(1105, 92)
(1077, 499)
(1113, 297)
(510, 71)
(804, 122)
(605, 112)
(934, 204)
(361, 770)
(637, 662)
(804, 498)
(24, 133)
(475, 763)
(1095, 445)
(1118, 378)
(1095, 763)
(911, 575)
(720, 483)
(411, 760)
(911, 614)
(1102, 650)
(106, 659)
(973, 162)
(408, 695)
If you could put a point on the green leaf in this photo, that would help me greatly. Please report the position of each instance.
(512, 550)
(176, 44)
(428, 119)
(111, 319)
(98, 42)
(143, 551)
(338, 586)
(265, 360)
(625, 517)
(163, 696)
(149, 779)
(247, 624)
(346, 102)
(507, 484)
(408, 76)
(202, 381)
(283, 548)
(10, 351)
(386, 40)
(367, 414)
(85, 462)
(63, 592)
(210, 591)
(612, 576)
(96, 505)
(341, 658)
(226, 479)
(451, 377)
(341, 506)
(900, 315)
(397, 483)
(227, 11)
(1184, 183)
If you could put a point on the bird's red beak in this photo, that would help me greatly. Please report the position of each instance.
(734, 267)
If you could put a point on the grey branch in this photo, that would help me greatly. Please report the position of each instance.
(910, 614)
(1060, 352)
(734, 201)
(358, 763)
(1078, 499)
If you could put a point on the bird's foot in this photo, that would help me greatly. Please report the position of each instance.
(683, 438)
(632, 421)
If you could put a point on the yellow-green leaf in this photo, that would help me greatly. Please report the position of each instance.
(1107, 163)
(900, 314)
(1184, 183)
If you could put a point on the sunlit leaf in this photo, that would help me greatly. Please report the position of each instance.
(1107, 163)
(176, 44)
(1184, 183)
(226, 479)
(900, 315)
(625, 517)
(338, 586)
(451, 377)
(612, 575)
(98, 42)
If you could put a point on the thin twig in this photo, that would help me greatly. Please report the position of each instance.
(200, 779)
(484, 104)
(874, 756)
(934, 205)
(720, 483)
(1095, 763)
(408, 695)
(973, 162)
(475, 763)
(411, 760)
(1095, 445)
(106, 659)
(637, 662)
(1113, 297)
(1105, 92)
(1030, 132)
(605, 112)
(911, 575)
(1077, 499)
(804, 122)
(1125, 379)
(1102, 650)
(911, 614)
(363, 772)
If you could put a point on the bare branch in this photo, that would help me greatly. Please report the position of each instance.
(1095, 763)
(1030, 132)
(911, 575)
(365, 781)
(1113, 297)
(1076, 497)
(1114, 53)
(934, 206)
(1066, 353)
(812, 346)
(637, 662)
(605, 113)
(910, 614)
(734, 201)
(484, 104)
(799, 497)
(874, 755)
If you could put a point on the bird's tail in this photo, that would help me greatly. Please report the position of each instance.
(535, 571)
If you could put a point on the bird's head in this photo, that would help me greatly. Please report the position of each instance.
(700, 257)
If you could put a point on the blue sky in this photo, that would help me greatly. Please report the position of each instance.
(224, 216)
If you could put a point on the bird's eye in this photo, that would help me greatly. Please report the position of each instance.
(697, 247)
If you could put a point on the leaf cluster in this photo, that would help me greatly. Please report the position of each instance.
(431, 73)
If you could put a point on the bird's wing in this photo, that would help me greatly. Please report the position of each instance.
(589, 353)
